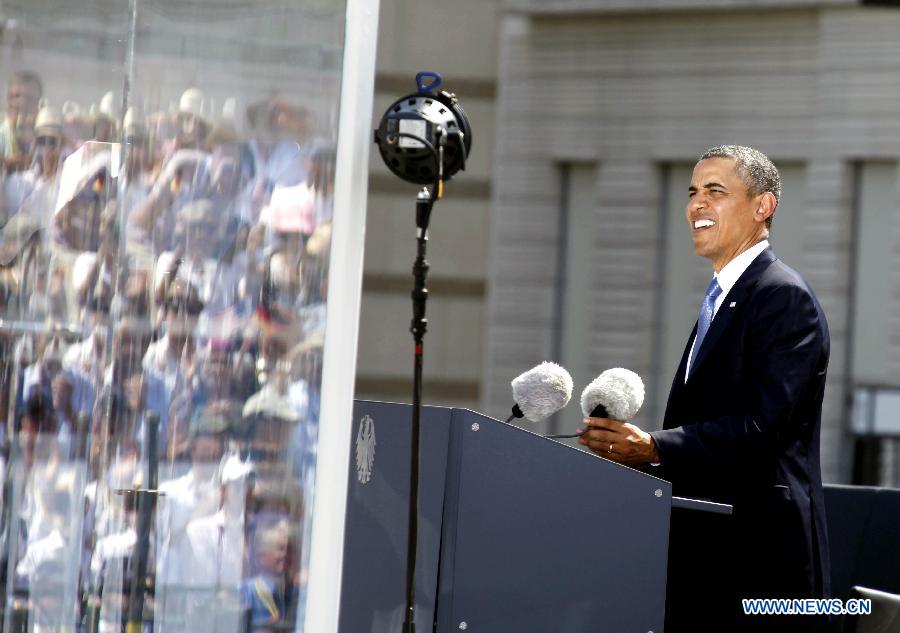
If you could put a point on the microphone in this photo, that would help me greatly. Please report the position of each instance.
(616, 394)
(540, 392)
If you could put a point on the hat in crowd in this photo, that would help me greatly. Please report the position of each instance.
(134, 124)
(48, 123)
(225, 131)
(108, 106)
(320, 240)
(292, 209)
(270, 405)
(71, 110)
(191, 104)
(216, 419)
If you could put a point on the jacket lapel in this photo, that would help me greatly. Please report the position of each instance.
(682, 367)
(737, 295)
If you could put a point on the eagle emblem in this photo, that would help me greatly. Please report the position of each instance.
(365, 449)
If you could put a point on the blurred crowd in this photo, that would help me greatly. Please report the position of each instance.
(163, 282)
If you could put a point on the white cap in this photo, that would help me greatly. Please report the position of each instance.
(108, 105)
(134, 123)
(71, 109)
(229, 110)
(48, 122)
(192, 101)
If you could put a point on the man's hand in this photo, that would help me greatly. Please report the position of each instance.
(619, 441)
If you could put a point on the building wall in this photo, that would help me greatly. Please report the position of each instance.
(633, 94)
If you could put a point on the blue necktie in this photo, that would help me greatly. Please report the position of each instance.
(707, 311)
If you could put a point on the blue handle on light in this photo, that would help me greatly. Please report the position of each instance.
(424, 88)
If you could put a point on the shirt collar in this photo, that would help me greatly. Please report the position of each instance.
(733, 270)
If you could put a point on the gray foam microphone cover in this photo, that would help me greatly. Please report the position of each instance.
(542, 391)
(618, 389)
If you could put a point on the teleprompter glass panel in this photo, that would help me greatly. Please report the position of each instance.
(165, 228)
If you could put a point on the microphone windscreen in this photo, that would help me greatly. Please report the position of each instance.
(620, 391)
(542, 391)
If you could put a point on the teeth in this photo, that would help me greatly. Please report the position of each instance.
(699, 224)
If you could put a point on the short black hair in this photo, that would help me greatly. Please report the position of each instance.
(755, 168)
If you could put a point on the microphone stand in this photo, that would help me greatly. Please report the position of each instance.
(144, 499)
(424, 203)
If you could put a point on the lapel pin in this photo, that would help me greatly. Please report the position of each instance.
(732, 304)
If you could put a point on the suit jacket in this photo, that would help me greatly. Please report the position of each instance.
(744, 430)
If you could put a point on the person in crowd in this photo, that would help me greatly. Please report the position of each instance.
(63, 391)
(190, 496)
(85, 193)
(75, 126)
(39, 375)
(49, 568)
(104, 119)
(33, 476)
(111, 562)
(23, 96)
(321, 181)
(173, 358)
(305, 397)
(290, 218)
(33, 190)
(193, 126)
(267, 593)
(36, 430)
(182, 179)
(218, 554)
(137, 174)
(218, 373)
(130, 343)
(86, 357)
(205, 265)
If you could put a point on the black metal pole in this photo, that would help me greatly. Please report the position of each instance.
(144, 499)
(418, 327)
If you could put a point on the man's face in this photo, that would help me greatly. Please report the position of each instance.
(718, 195)
(207, 449)
(181, 319)
(218, 367)
(273, 554)
(22, 99)
(129, 348)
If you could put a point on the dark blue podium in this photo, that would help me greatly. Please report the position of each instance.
(517, 533)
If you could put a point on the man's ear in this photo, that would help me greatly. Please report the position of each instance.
(765, 206)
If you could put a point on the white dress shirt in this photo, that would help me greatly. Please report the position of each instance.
(727, 277)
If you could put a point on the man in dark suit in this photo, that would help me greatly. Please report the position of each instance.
(743, 417)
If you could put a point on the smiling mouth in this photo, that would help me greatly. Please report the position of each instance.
(698, 226)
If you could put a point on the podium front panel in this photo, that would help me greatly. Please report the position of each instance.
(373, 593)
(541, 537)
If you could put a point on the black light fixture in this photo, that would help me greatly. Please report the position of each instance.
(425, 137)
